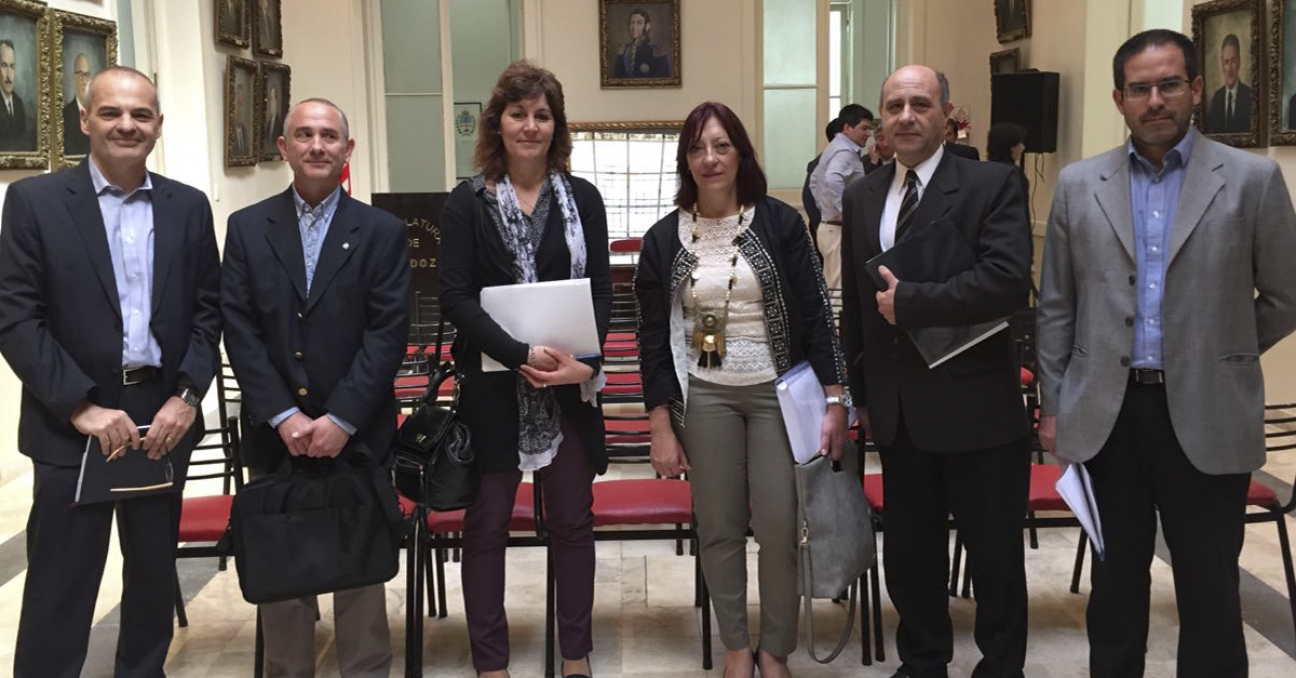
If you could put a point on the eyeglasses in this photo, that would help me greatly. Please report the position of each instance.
(1168, 88)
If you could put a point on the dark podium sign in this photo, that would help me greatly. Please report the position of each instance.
(421, 213)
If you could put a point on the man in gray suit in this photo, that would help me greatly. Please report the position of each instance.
(1167, 272)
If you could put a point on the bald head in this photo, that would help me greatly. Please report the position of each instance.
(913, 113)
(112, 76)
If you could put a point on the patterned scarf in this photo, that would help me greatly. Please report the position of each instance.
(539, 419)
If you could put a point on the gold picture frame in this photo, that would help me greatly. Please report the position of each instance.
(25, 54)
(1006, 61)
(1282, 25)
(274, 93)
(1216, 25)
(240, 110)
(80, 46)
(231, 22)
(1012, 19)
(267, 28)
(645, 52)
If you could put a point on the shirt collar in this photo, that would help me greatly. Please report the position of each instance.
(841, 137)
(1175, 157)
(101, 183)
(326, 205)
(925, 169)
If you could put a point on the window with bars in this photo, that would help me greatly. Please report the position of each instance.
(635, 173)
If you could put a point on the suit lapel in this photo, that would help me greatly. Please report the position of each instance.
(168, 234)
(285, 239)
(1113, 195)
(84, 206)
(935, 201)
(1202, 181)
(337, 248)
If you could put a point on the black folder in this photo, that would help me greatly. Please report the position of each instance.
(935, 253)
(131, 474)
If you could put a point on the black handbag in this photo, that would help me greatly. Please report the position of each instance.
(316, 526)
(433, 449)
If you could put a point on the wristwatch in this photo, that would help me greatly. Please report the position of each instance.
(844, 400)
(190, 398)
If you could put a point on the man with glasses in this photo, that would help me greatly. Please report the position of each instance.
(75, 142)
(1166, 273)
(1230, 109)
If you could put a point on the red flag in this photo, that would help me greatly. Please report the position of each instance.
(345, 179)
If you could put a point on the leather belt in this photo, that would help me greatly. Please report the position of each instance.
(138, 375)
(833, 223)
(1143, 377)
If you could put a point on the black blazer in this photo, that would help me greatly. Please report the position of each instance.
(963, 151)
(335, 351)
(60, 314)
(75, 142)
(473, 256)
(974, 400)
(798, 316)
(13, 128)
(1216, 122)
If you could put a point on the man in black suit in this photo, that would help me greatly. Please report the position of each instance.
(954, 437)
(75, 141)
(13, 116)
(316, 304)
(1230, 108)
(638, 57)
(953, 146)
(109, 314)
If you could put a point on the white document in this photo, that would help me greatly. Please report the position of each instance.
(801, 398)
(1076, 488)
(558, 314)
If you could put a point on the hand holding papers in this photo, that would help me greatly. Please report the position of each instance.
(1076, 488)
(558, 313)
(801, 398)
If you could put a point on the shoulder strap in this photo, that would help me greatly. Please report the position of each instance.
(806, 580)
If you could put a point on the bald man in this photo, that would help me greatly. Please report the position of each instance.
(75, 142)
(954, 437)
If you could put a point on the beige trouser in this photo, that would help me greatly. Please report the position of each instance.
(735, 441)
(829, 238)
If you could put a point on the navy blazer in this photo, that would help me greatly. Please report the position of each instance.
(60, 314)
(335, 351)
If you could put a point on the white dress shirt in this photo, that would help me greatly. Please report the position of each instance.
(895, 194)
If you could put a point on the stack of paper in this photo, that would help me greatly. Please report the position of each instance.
(1076, 488)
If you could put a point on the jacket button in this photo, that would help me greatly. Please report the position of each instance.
(302, 391)
(299, 315)
(1129, 322)
(1125, 362)
(298, 355)
(1131, 280)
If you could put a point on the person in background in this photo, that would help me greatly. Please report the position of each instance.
(880, 154)
(525, 219)
(731, 296)
(839, 163)
(807, 196)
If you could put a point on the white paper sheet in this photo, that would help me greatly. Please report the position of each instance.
(558, 314)
(1076, 488)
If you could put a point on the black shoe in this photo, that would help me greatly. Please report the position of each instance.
(581, 675)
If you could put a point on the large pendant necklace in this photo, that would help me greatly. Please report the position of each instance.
(709, 327)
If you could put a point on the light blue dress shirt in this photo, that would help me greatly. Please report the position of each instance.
(313, 223)
(839, 162)
(1154, 196)
(128, 222)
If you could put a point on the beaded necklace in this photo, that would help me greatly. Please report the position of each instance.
(709, 328)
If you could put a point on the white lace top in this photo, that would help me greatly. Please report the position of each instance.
(747, 359)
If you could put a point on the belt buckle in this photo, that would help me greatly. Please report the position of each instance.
(127, 374)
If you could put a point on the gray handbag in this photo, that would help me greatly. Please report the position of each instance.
(835, 544)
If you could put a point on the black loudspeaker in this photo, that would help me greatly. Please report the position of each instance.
(1030, 99)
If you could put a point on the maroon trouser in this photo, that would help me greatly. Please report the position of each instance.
(568, 504)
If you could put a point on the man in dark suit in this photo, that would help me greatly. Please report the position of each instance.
(953, 146)
(109, 314)
(316, 303)
(639, 58)
(75, 141)
(953, 438)
(1230, 108)
(13, 116)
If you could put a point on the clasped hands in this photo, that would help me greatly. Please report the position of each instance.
(547, 366)
(304, 436)
(117, 432)
(886, 298)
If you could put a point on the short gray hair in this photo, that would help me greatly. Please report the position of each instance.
(346, 126)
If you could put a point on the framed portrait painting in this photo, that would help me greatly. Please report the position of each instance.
(267, 28)
(1227, 34)
(1282, 73)
(240, 130)
(1007, 61)
(24, 62)
(83, 45)
(639, 43)
(274, 92)
(1012, 19)
(231, 22)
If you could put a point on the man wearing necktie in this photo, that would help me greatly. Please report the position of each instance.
(954, 437)
(316, 302)
(109, 314)
(1230, 109)
(14, 133)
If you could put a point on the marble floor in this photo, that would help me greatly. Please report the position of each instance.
(645, 624)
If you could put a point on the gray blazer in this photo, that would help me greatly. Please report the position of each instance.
(1230, 294)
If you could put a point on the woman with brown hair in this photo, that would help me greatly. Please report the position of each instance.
(731, 296)
(524, 219)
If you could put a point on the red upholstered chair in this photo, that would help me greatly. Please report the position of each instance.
(203, 519)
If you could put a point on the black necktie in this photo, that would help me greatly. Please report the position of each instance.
(1228, 112)
(908, 205)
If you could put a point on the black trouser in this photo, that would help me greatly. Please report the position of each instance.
(1141, 471)
(986, 490)
(67, 547)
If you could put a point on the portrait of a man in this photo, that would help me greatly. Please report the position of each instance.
(1230, 105)
(267, 29)
(1228, 55)
(1012, 19)
(14, 125)
(241, 123)
(84, 54)
(640, 43)
(274, 108)
(20, 84)
(232, 22)
(241, 136)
